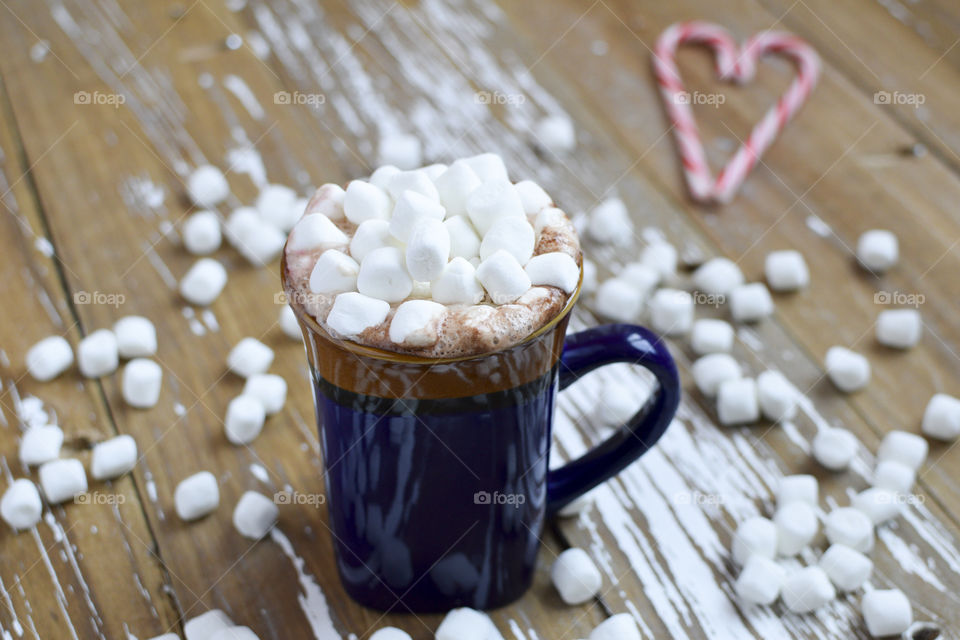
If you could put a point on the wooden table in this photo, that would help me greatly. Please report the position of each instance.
(106, 107)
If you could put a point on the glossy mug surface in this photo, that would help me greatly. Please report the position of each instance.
(436, 470)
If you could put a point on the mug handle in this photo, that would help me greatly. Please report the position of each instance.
(587, 350)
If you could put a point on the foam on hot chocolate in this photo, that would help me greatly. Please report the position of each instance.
(512, 306)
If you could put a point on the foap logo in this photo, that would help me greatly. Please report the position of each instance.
(299, 297)
(499, 97)
(708, 299)
(99, 98)
(698, 498)
(299, 97)
(98, 497)
(497, 498)
(709, 99)
(899, 298)
(899, 98)
(99, 297)
(295, 497)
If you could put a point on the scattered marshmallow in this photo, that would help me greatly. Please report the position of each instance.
(786, 270)
(712, 370)
(204, 626)
(466, 624)
(750, 302)
(533, 197)
(289, 323)
(334, 272)
(270, 389)
(616, 404)
(899, 328)
(401, 150)
(203, 282)
(850, 527)
(503, 277)
(777, 397)
(234, 633)
(353, 312)
(887, 612)
(390, 633)
(619, 627)
(417, 181)
(575, 576)
(487, 166)
(114, 457)
(941, 419)
(454, 186)
(797, 526)
(590, 282)
(412, 208)
(671, 312)
(416, 323)
(201, 233)
(142, 379)
(364, 201)
(834, 448)
(556, 269)
(97, 354)
(807, 590)
(662, 258)
(207, 186)
(136, 337)
(717, 276)
(619, 300)
(848, 370)
(556, 134)
(40, 444)
(277, 205)
(906, 448)
(847, 568)
(195, 497)
(20, 506)
(760, 581)
(798, 488)
(383, 275)
(428, 249)
(458, 284)
(248, 357)
(254, 515)
(755, 536)
(711, 336)
(327, 200)
(62, 480)
(878, 504)
(877, 250)
(510, 234)
(610, 223)
(49, 358)
(244, 419)
(492, 201)
(737, 402)
(256, 240)
(316, 232)
(894, 476)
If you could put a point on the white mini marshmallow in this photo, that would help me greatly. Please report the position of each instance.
(390, 633)
(737, 402)
(97, 354)
(114, 457)
(249, 356)
(203, 282)
(590, 282)
(204, 626)
(370, 235)
(491, 201)
(834, 448)
(327, 200)
(615, 404)
(556, 134)
(878, 504)
(755, 536)
(20, 506)
(610, 223)
(487, 166)
(850, 527)
(711, 336)
(533, 197)
(619, 627)
(383, 275)
(806, 590)
(513, 235)
(549, 217)
(201, 233)
(464, 241)
(786, 270)
(777, 396)
(316, 232)
(503, 277)
(894, 476)
(352, 313)
(906, 448)
(234, 633)
(717, 276)
(760, 581)
(797, 526)
(270, 389)
(428, 249)
(62, 480)
(411, 209)
(402, 150)
(136, 337)
(334, 272)
(887, 612)
(277, 205)
(466, 624)
(241, 223)
(575, 576)
(899, 328)
(416, 323)
(798, 488)
(662, 258)
(418, 181)
(49, 358)
(750, 302)
(256, 240)
(454, 186)
(244, 419)
(556, 269)
(207, 186)
(618, 300)
(40, 444)
(644, 278)
(195, 497)
(941, 419)
(877, 250)
(671, 312)
(142, 379)
(848, 370)
(254, 515)
(289, 323)
(711, 370)
(847, 568)
(382, 176)
(458, 284)
(365, 201)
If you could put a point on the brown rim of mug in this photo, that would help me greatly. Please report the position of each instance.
(393, 356)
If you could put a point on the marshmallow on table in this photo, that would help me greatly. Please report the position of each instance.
(277, 205)
(834, 448)
(850, 527)
(616, 404)
(248, 357)
(737, 402)
(661, 257)
(503, 277)
(269, 388)
(887, 612)
(619, 627)
(590, 283)
(556, 133)
(383, 275)
(411, 210)
(492, 201)
(97, 354)
(364, 201)
(203, 282)
(717, 276)
(671, 312)
(807, 590)
(289, 323)
(353, 312)
(644, 278)
(390, 633)
(750, 302)
(62, 480)
(877, 504)
(894, 476)
(877, 250)
(402, 150)
(941, 419)
(206, 624)
(847, 568)
(416, 323)
(113, 457)
(316, 232)
(142, 379)
(195, 497)
(334, 272)
(777, 397)
(20, 506)
(711, 336)
(713, 369)
(207, 186)
(382, 176)
(511, 234)
(235, 633)
(254, 515)
(417, 181)
(370, 235)
(464, 241)
(848, 370)
(899, 328)
(454, 186)
(257, 240)
(244, 419)
(755, 536)
(610, 223)
(466, 624)
(201, 233)
(49, 358)
(458, 284)
(428, 249)
(556, 269)
(618, 300)
(797, 526)
(533, 197)
(786, 270)
(798, 488)
(328, 200)
(40, 444)
(575, 576)
(906, 448)
(760, 581)
(136, 337)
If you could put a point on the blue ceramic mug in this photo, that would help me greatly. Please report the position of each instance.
(436, 470)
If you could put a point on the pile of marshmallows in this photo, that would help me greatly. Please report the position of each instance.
(428, 238)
